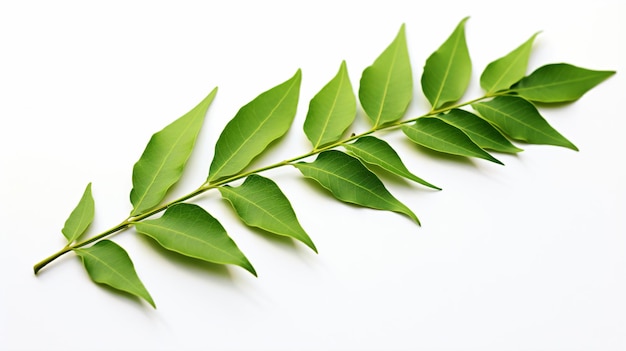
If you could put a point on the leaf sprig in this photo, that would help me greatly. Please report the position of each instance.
(506, 112)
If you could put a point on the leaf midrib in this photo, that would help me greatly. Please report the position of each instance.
(231, 191)
(86, 252)
(330, 112)
(507, 70)
(349, 181)
(383, 162)
(546, 85)
(519, 121)
(444, 141)
(82, 223)
(183, 234)
(384, 98)
(447, 71)
(165, 160)
(469, 132)
(247, 139)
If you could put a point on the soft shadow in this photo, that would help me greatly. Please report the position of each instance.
(279, 240)
(189, 263)
(552, 105)
(140, 303)
(268, 156)
(389, 178)
(317, 187)
(437, 155)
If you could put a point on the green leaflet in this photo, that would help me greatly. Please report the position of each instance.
(162, 162)
(259, 202)
(108, 263)
(191, 231)
(559, 82)
(448, 70)
(387, 85)
(520, 120)
(254, 127)
(385, 92)
(80, 218)
(377, 152)
(349, 181)
(508, 70)
(436, 134)
(331, 111)
(480, 131)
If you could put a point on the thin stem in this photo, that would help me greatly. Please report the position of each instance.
(125, 224)
(130, 221)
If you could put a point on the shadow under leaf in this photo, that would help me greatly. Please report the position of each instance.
(189, 263)
(438, 155)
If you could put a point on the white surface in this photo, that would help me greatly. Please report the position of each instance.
(530, 256)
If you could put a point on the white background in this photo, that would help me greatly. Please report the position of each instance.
(530, 256)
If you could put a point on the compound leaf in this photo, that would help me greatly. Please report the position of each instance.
(162, 162)
(108, 263)
(254, 127)
(386, 87)
(560, 82)
(331, 111)
(377, 152)
(448, 70)
(480, 131)
(350, 181)
(436, 134)
(520, 120)
(191, 231)
(259, 202)
(80, 218)
(508, 70)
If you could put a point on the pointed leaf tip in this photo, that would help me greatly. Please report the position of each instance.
(386, 87)
(331, 111)
(108, 263)
(263, 120)
(448, 70)
(162, 163)
(560, 82)
(80, 218)
(502, 73)
(260, 203)
(480, 131)
(191, 231)
(374, 151)
(436, 134)
(520, 119)
(350, 181)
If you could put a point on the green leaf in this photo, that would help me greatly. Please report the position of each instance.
(191, 231)
(162, 162)
(254, 127)
(377, 152)
(331, 111)
(520, 120)
(559, 82)
(448, 70)
(259, 202)
(350, 181)
(386, 87)
(480, 131)
(80, 218)
(108, 263)
(438, 135)
(508, 70)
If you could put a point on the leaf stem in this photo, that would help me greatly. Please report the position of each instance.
(123, 225)
(130, 221)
